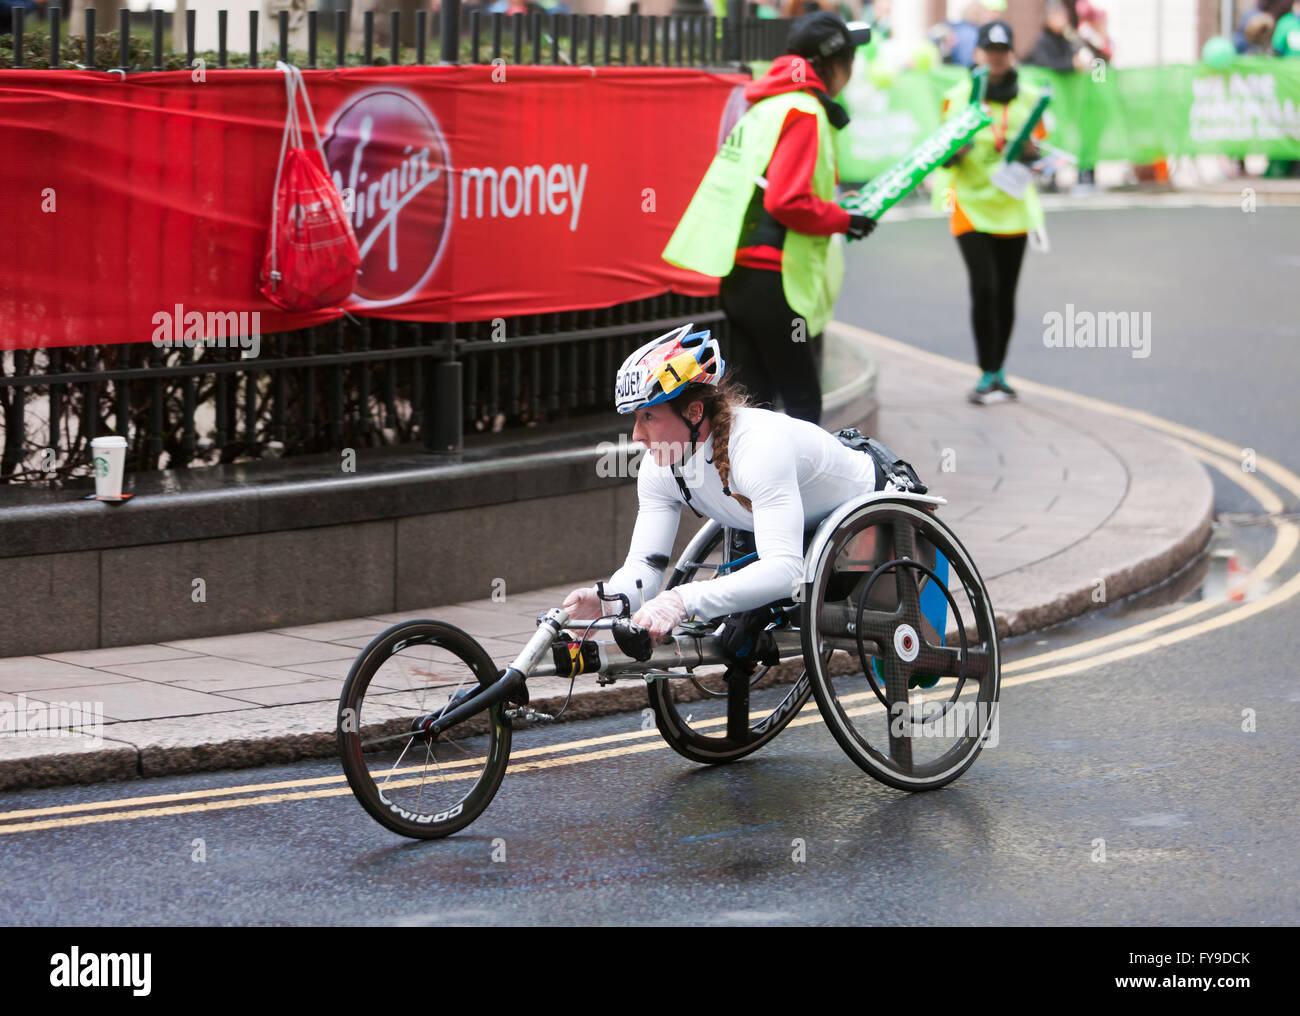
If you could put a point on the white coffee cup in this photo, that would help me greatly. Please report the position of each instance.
(110, 465)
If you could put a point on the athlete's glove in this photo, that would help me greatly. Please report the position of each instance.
(860, 227)
(661, 615)
(584, 605)
(745, 641)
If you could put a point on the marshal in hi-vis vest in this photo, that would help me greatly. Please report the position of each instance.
(989, 209)
(812, 267)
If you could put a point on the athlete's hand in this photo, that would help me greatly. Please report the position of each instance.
(661, 615)
(583, 604)
(860, 227)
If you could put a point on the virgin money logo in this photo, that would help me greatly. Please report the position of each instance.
(393, 168)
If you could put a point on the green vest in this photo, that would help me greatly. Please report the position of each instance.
(1286, 37)
(812, 267)
(989, 209)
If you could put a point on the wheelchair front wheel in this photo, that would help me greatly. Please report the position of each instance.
(421, 787)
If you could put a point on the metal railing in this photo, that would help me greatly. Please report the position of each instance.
(347, 384)
(459, 34)
(354, 382)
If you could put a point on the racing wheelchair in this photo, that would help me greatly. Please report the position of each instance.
(889, 627)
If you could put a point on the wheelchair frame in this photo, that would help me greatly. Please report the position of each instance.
(502, 694)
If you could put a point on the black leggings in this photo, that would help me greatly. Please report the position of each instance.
(761, 344)
(993, 263)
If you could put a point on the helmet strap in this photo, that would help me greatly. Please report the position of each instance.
(694, 428)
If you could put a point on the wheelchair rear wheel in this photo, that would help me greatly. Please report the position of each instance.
(894, 586)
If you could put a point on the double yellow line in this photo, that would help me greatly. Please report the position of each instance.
(1122, 645)
(522, 761)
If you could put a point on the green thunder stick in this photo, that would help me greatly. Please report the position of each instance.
(1035, 114)
(904, 176)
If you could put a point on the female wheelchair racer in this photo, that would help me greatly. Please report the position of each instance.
(815, 543)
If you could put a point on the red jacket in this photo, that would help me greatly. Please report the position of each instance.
(789, 198)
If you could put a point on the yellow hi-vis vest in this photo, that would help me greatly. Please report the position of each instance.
(989, 209)
(812, 267)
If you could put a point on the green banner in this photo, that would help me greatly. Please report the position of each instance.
(1136, 114)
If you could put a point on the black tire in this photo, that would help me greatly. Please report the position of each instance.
(904, 538)
(408, 671)
(686, 710)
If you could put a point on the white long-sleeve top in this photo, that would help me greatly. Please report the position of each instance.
(793, 472)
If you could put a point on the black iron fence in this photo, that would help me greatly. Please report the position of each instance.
(356, 382)
(457, 34)
(351, 383)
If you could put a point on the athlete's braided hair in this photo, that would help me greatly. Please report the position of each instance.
(718, 402)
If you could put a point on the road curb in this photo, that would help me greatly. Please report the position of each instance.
(1163, 524)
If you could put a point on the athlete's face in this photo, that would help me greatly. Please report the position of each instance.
(665, 433)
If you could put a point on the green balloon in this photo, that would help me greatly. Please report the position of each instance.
(925, 55)
(1218, 52)
(881, 75)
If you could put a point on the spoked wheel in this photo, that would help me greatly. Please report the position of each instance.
(710, 718)
(896, 589)
(413, 785)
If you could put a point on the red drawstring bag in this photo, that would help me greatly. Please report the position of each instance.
(312, 256)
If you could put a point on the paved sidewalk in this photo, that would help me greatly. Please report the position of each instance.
(1049, 500)
(1217, 194)
(1282, 191)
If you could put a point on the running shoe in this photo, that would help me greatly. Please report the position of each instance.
(983, 395)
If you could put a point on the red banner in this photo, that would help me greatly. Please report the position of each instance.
(133, 205)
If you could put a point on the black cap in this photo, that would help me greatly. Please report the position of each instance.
(823, 35)
(995, 33)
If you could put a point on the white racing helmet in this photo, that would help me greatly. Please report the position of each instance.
(662, 368)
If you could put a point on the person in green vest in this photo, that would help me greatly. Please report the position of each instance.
(1286, 42)
(991, 226)
(763, 218)
(1286, 36)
